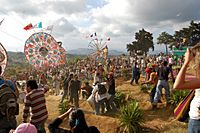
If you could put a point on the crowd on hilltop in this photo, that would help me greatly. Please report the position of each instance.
(91, 80)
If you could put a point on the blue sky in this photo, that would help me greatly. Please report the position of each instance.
(73, 20)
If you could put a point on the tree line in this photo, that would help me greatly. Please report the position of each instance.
(143, 42)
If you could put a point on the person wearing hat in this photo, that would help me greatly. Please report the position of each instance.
(148, 71)
(25, 128)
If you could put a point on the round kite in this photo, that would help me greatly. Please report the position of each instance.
(3, 58)
(42, 50)
(62, 56)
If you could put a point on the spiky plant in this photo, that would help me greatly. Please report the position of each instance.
(178, 96)
(63, 107)
(131, 117)
(120, 99)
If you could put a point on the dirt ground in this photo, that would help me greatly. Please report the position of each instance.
(155, 121)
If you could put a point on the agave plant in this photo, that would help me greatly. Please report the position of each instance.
(131, 117)
(63, 107)
(178, 96)
(120, 99)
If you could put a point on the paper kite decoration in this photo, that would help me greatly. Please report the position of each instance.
(42, 51)
(3, 58)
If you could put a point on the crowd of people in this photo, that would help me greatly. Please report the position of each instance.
(92, 81)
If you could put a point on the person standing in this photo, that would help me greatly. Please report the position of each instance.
(135, 73)
(111, 92)
(74, 88)
(191, 60)
(163, 73)
(9, 94)
(35, 105)
(56, 80)
(66, 87)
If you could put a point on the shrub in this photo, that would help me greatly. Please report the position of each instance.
(126, 74)
(178, 96)
(120, 99)
(131, 116)
(145, 88)
(63, 107)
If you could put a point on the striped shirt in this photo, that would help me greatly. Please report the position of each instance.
(35, 101)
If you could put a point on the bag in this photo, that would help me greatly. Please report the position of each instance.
(181, 112)
(101, 89)
(8, 102)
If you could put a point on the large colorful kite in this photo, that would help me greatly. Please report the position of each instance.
(3, 58)
(43, 51)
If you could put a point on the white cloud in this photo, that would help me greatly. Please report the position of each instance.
(74, 19)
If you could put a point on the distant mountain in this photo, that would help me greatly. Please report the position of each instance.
(81, 51)
(86, 51)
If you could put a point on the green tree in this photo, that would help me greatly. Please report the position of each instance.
(187, 36)
(143, 42)
(166, 39)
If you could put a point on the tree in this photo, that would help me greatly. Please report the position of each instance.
(143, 42)
(166, 39)
(187, 36)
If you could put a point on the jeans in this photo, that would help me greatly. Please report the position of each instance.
(136, 78)
(74, 99)
(111, 104)
(40, 128)
(152, 94)
(99, 104)
(162, 84)
(194, 126)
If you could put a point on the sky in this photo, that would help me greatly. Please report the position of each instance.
(75, 20)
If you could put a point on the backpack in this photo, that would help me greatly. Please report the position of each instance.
(101, 89)
(8, 102)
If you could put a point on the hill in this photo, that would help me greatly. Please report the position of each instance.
(86, 51)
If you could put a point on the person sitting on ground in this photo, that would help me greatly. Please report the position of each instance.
(77, 123)
(25, 128)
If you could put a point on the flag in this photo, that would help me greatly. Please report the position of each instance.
(91, 35)
(95, 34)
(1, 21)
(38, 25)
(28, 27)
(50, 27)
(109, 39)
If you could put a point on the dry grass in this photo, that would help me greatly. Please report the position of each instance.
(159, 121)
